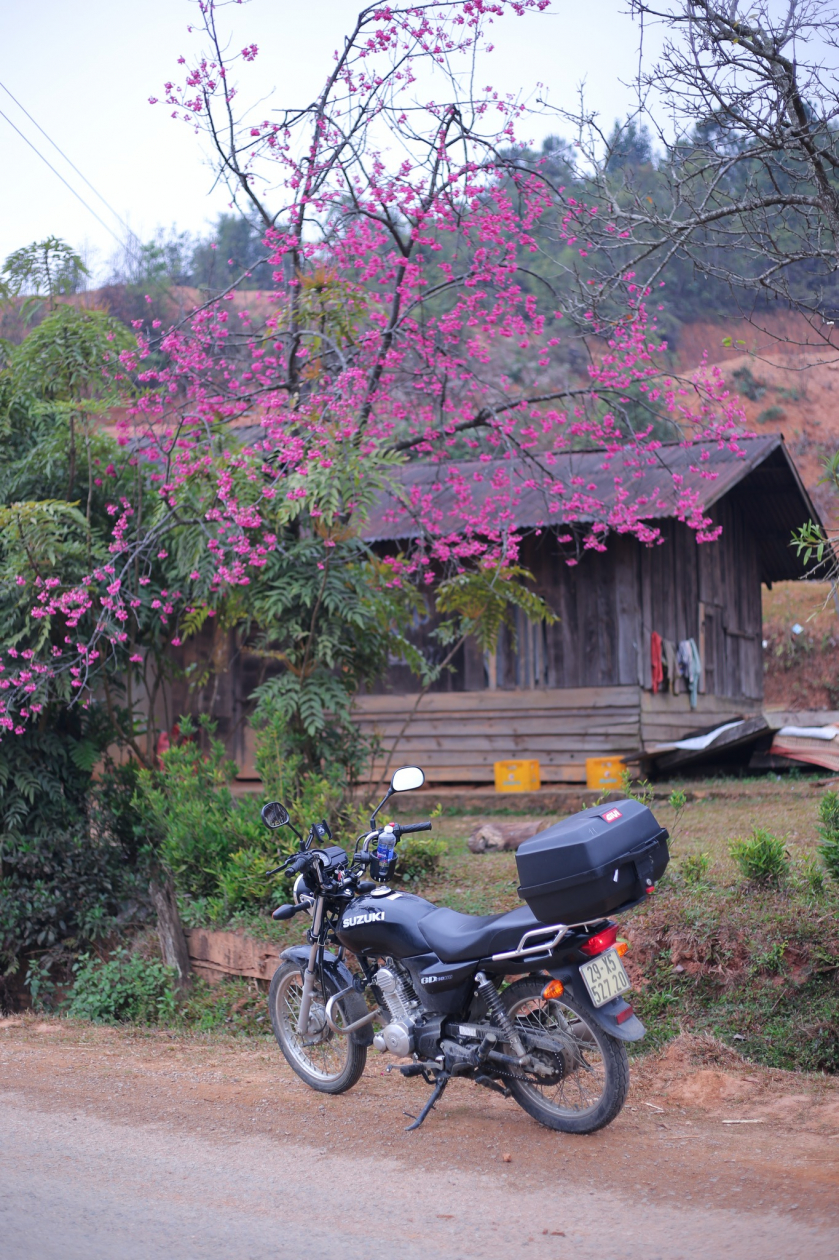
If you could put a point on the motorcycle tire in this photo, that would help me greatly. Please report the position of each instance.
(590, 1085)
(325, 1060)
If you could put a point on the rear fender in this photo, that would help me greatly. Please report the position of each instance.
(631, 1029)
(340, 977)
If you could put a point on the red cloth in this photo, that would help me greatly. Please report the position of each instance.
(655, 660)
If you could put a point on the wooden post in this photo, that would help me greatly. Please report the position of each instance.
(170, 931)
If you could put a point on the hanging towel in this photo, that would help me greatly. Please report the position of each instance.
(690, 667)
(670, 666)
(697, 672)
(655, 660)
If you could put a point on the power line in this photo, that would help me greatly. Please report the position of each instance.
(95, 191)
(63, 180)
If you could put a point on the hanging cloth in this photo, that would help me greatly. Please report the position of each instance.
(696, 676)
(655, 660)
(690, 667)
(671, 667)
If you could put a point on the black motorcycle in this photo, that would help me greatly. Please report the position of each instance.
(529, 1004)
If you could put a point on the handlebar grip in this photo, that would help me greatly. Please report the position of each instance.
(423, 826)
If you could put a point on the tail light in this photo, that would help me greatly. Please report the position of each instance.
(602, 941)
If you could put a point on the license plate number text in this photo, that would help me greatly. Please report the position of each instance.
(605, 977)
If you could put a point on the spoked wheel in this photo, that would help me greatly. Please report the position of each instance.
(325, 1060)
(585, 1071)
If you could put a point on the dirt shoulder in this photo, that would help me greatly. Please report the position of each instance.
(675, 1146)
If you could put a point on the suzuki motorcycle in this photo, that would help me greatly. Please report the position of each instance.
(529, 1004)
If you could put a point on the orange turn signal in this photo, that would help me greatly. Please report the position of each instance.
(622, 947)
(554, 989)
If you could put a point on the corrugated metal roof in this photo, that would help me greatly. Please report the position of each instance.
(765, 478)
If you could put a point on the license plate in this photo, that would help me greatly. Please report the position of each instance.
(605, 977)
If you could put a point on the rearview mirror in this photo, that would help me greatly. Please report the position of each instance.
(406, 778)
(274, 815)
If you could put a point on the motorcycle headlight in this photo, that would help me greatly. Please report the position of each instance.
(302, 894)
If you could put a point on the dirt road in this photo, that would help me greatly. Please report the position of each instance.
(126, 1145)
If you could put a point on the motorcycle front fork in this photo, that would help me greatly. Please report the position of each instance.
(309, 973)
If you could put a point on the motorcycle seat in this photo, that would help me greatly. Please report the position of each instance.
(458, 937)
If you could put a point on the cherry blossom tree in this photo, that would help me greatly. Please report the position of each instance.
(406, 322)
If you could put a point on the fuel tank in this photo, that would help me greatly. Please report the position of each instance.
(384, 923)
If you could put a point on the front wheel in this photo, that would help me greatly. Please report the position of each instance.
(584, 1074)
(325, 1060)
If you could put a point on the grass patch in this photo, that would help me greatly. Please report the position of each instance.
(755, 964)
(235, 1006)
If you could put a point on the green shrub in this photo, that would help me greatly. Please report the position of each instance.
(829, 832)
(695, 867)
(640, 790)
(761, 857)
(748, 384)
(64, 871)
(808, 875)
(771, 413)
(418, 858)
(216, 846)
(126, 988)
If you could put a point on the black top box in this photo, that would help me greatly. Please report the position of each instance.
(604, 859)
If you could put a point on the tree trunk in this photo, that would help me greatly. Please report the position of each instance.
(169, 927)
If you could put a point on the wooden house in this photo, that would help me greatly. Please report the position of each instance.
(583, 687)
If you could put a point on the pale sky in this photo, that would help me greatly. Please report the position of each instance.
(84, 70)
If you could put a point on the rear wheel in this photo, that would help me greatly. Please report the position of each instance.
(585, 1074)
(325, 1060)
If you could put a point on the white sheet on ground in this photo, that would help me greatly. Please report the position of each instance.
(810, 732)
(698, 742)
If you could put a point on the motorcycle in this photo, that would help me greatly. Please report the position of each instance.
(529, 1004)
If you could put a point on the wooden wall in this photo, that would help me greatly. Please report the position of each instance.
(456, 737)
(582, 687)
(709, 592)
(609, 604)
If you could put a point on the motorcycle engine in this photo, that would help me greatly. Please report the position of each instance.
(402, 1005)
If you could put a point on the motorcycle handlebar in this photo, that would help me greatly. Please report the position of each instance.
(423, 826)
(298, 864)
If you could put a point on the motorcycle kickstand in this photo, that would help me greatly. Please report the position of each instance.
(442, 1082)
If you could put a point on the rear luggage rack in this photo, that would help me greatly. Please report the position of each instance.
(544, 947)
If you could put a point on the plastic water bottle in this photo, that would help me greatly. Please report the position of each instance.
(384, 851)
